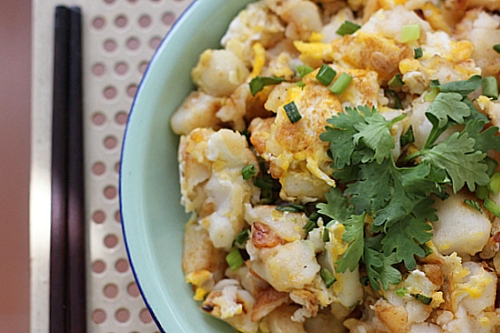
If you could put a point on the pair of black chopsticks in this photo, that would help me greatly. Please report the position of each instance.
(67, 310)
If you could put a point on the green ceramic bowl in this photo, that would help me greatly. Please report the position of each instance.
(153, 219)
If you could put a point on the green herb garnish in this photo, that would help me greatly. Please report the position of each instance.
(326, 74)
(241, 237)
(490, 87)
(396, 81)
(259, 82)
(348, 28)
(248, 171)
(234, 259)
(292, 112)
(409, 33)
(327, 277)
(341, 84)
(399, 195)
(418, 53)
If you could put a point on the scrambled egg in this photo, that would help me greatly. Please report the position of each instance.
(280, 285)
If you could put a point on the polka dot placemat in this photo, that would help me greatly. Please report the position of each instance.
(119, 38)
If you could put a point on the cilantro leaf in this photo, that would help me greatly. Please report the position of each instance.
(354, 235)
(359, 135)
(485, 140)
(336, 207)
(462, 163)
(341, 144)
(405, 239)
(463, 87)
(373, 189)
(380, 270)
(375, 132)
(448, 105)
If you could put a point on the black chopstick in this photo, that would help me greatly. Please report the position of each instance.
(58, 245)
(76, 196)
(67, 296)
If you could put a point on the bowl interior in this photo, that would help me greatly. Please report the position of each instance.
(153, 219)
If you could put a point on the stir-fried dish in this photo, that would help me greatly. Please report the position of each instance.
(340, 161)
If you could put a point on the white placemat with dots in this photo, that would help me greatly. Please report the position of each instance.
(119, 38)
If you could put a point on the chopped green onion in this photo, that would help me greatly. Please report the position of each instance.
(482, 192)
(327, 277)
(326, 74)
(496, 47)
(303, 70)
(248, 171)
(401, 292)
(409, 33)
(431, 94)
(292, 112)
(326, 235)
(396, 81)
(234, 259)
(300, 84)
(492, 165)
(422, 298)
(490, 87)
(309, 226)
(427, 250)
(474, 204)
(348, 28)
(241, 237)
(418, 53)
(408, 137)
(341, 83)
(311, 223)
(492, 207)
(263, 183)
(294, 208)
(395, 101)
(259, 82)
(494, 185)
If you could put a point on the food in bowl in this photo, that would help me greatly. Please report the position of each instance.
(340, 161)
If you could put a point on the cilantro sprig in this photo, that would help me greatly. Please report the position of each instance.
(386, 205)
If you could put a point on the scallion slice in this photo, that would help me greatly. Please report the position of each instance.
(492, 207)
(401, 292)
(494, 185)
(482, 192)
(241, 237)
(496, 47)
(395, 101)
(326, 235)
(248, 171)
(490, 87)
(309, 226)
(418, 53)
(348, 28)
(408, 137)
(396, 81)
(263, 183)
(303, 70)
(409, 33)
(423, 299)
(292, 112)
(327, 277)
(259, 82)
(294, 208)
(326, 74)
(234, 259)
(341, 84)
